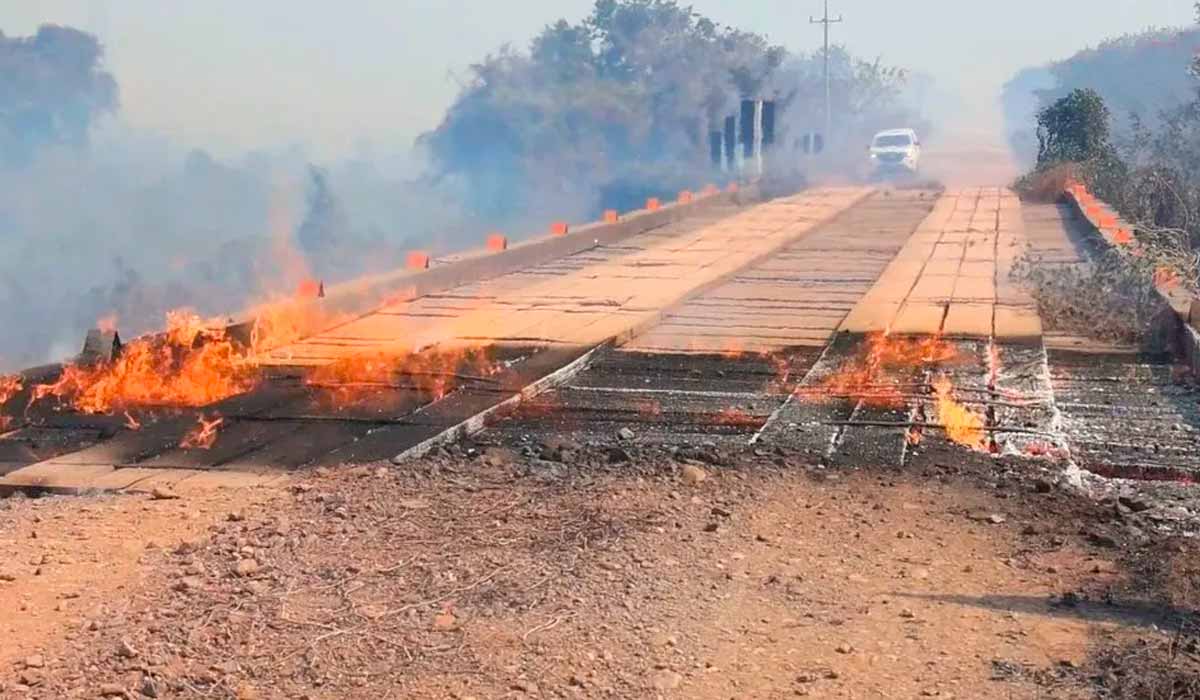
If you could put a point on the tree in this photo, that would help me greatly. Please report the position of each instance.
(1075, 129)
(52, 88)
(604, 112)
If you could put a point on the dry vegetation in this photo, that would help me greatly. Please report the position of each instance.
(1112, 297)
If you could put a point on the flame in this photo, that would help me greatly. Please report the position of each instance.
(782, 366)
(204, 435)
(286, 266)
(544, 406)
(9, 386)
(197, 362)
(1166, 278)
(871, 375)
(1043, 449)
(310, 288)
(281, 323)
(434, 372)
(733, 348)
(107, 324)
(962, 425)
(191, 364)
(736, 417)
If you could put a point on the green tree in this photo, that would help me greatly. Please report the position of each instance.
(1075, 129)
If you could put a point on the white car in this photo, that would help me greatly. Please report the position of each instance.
(896, 151)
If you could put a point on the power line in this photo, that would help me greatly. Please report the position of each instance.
(826, 21)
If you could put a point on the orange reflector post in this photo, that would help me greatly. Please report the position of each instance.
(559, 228)
(497, 242)
(685, 197)
(417, 260)
(611, 216)
(653, 204)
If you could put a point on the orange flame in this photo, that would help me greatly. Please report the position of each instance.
(204, 435)
(733, 348)
(107, 324)
(283, 322)
(192, 364)
(1166, 278)
(962, 425)
(1041, 448)
(734, 416)
(435, 372)
(9, 386)
(783, 372)
(309, 288)
(870, 376)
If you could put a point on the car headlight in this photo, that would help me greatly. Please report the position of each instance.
(874, 156)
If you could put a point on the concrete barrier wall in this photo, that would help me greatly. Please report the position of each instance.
(1182, 310)
(363, 295)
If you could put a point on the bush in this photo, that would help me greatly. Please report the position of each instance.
(1108, 298)
(1047, 185)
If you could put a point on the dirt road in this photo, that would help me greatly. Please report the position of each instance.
(494, 575)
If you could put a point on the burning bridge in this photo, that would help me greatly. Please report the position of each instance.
(857, 326)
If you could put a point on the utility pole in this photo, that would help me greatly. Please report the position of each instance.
(826, 21)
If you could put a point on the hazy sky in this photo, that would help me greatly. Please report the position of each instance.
(232, 74)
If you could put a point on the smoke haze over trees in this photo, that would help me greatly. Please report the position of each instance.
(624, 98)
(1146, 164)
(98, 219)
(1140, 77)
(617, 107)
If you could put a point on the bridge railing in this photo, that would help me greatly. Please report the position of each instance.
(1115, 233)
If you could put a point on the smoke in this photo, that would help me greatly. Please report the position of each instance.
(619, 106)
(1141, 77)
(132, 228)
(98, 219)
(867, 97)
(325, 223)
